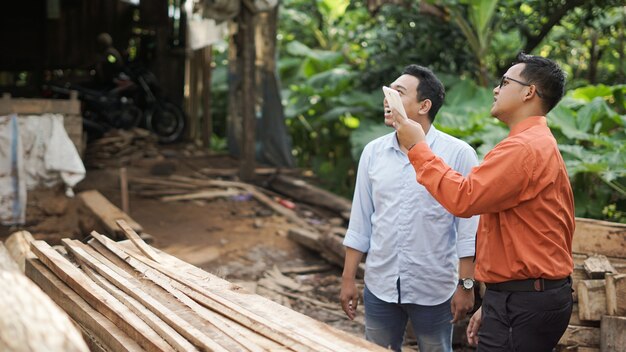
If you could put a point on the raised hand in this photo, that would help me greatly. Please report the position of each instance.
(409, 132)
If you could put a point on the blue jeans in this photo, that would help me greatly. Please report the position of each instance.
(385, 323)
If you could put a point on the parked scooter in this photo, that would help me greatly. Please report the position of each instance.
(136, 100)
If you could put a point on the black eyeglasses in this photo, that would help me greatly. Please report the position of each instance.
(519, 82)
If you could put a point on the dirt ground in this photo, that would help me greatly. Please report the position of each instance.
(239, 240)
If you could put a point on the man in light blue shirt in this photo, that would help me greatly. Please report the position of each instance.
(413, 244)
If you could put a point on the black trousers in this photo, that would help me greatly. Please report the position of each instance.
(524, 321)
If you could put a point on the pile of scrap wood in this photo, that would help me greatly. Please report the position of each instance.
(130, 296)
(598, 321)
(121, 147)
(323, 234)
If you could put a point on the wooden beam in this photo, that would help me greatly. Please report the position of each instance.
(597, 266)
(612, 333)
(591, 299)
(601, 237)
(94, 204)
(31, 321)
(131, 288)
(98, 298)
(79, 310)
(246, 48)
(616, 294)
(137, 241)
(157, 278)
(204, 194)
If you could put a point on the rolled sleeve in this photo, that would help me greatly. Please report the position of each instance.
(357, 241)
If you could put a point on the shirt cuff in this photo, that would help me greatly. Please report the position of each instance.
(466, 249)
(420, 154)
(356, 241)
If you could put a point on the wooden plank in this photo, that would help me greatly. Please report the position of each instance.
(94, 204)
(29, 106)
(616, 294)
(131, 287)
(31, 321)
(137, 241)
(7, 263)
(597, 266)
(305, 192)
(575, 319)
(98, 298)
(157, 278)
(580, 336)
(600, 237)
(591, 299)
(273, 312)
(79, 310)
(613, 333)
(578, 275)
(104, 255)
(18, 245)
(204, 194)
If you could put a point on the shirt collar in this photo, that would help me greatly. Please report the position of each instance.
(528, 123)
(430, 138)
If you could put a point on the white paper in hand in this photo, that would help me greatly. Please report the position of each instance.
(394, 100)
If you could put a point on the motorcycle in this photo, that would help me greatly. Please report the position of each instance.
(135, 101)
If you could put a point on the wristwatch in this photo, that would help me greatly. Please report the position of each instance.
(467, 283)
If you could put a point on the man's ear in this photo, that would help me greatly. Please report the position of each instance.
(425, 106)
(532, 91)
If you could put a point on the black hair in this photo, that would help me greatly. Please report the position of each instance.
(429, 87)
(546, 75)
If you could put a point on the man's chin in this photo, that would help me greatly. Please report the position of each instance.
(388, 121)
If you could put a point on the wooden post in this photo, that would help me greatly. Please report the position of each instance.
(248, 102)
(616, 294)
(207, 121)
(612, 333)
(124, 189)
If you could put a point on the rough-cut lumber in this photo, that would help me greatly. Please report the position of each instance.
(30, 321)
(597, 266)
(578, 275)
(79, 310)
(169, 300)
(575, 319)
(95, 205)
(98, 298)
(131, 287)
(18, 245)
(581, 336)
(601, 237)
(137, 241)
(591, 299)
(7, 263)
(307, 193)
(204, 194)
(613, 333)
(616, 294)
(308, 328)
(221, 306)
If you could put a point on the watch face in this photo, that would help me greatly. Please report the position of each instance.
(468, 284)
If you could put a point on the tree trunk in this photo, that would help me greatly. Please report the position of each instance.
(246, 49)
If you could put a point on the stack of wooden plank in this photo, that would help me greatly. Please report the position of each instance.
(130, 296)
(121, 147)
(598, 322)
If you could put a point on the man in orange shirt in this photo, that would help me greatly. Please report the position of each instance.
(522, 191)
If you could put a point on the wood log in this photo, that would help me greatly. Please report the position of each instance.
(601, 237)
(612, 333)
(307, 193)
(580, 336)
(98, 298)
(7, 263)
(90, 320)
(616, 294)
(93, 204)
(31, 321)
(578, 275)
(18, 245)
(591, 299)
(597, 266)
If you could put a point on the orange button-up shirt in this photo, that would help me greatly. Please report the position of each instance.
(523, 194)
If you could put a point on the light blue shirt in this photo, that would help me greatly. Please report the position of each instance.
(405, 232)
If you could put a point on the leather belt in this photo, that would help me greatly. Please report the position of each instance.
(528, 285)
